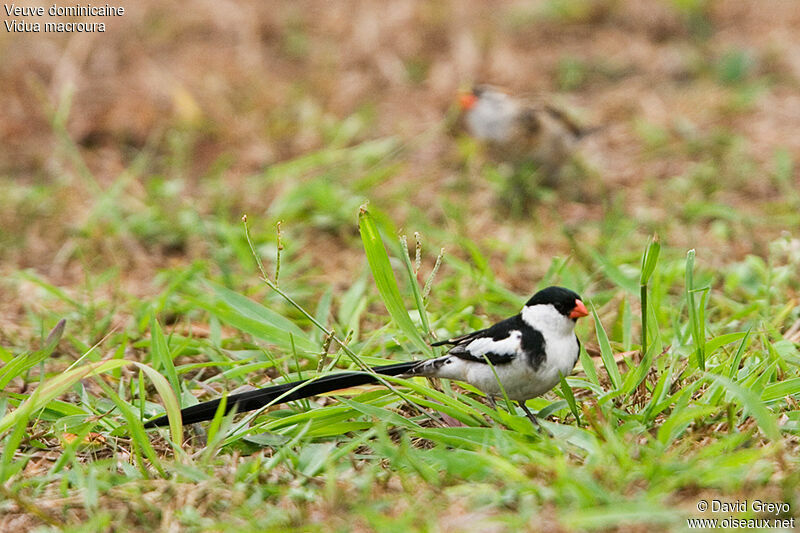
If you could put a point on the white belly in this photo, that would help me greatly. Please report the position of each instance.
(519, 380)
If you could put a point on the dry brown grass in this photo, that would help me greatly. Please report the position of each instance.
(241, 74)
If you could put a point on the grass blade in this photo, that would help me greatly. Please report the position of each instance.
(12, 442)
(412, 281)
(49, 390)
(754, 404)
(587, 364)
(160, 355)
(782, 389)
(135, 428)
(252, 317)
(25, 361)
(385, 281)
(636, 375)
(733, 369)
(649, 261)
(171, 406)
(570, 398)
(716, 343)
(696, 315)
(613, 272)
(606, 353)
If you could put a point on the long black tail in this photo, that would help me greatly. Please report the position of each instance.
(249, 401)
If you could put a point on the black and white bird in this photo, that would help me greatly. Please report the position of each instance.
(523, 356)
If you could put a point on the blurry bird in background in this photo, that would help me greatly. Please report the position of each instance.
(536, 138)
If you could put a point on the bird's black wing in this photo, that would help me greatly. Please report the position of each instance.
(566, 120)
(569, 122)
(461, 339)
(497, 346)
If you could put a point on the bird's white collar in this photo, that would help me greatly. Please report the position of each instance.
(547, 319)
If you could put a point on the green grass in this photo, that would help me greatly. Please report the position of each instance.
(709, 407)
(687, 388)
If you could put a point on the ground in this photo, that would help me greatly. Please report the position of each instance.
(127, 159)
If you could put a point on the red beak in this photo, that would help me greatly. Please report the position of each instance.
(579, 310)
(467, 101)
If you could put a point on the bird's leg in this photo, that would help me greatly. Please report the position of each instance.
(532, 417)
(492, 402)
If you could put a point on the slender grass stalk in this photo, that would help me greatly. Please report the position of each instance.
(23, 362)
(696, 313)
(356, 359)
(412, 280)
(566, 390)
(753, 404)
(278, 250)
(142, 394)
(733, 369)
(500, 384)
(426, 290)
(160, 354)
(649, 261)
(216, 422)
(417, 252)
(136, 430)
(606, 353)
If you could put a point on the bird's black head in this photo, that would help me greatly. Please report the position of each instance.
(483, 89)
(478, 90)
(567, 302)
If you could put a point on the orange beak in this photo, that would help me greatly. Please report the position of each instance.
(467, 101)
(579, 310)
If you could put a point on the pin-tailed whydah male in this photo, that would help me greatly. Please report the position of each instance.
(528, 353)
